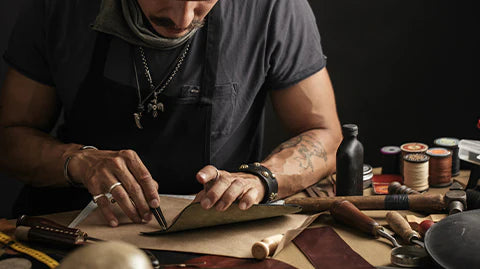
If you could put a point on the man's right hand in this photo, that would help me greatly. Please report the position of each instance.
(98, 170)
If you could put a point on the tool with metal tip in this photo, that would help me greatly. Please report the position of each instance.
(157, 213)
(402, 228)
(456, 201)
(347, 213)
(397, 188)
(404, 256)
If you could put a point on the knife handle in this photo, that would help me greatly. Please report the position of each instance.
(25, 220)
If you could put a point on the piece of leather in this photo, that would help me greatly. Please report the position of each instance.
(7, 227)
(325, 249)
(324, 188)
(194, 216)
(227, 262)
(233, 240)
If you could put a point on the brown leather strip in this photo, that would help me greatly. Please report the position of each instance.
(227, 262)
(325, 249)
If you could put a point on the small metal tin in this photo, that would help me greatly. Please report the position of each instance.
(367, 175)
(409, 256)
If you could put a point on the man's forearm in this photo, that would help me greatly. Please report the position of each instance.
(303, 160)
(33, 156)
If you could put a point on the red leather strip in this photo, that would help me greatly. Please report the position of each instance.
(325, 249)
(227, 262)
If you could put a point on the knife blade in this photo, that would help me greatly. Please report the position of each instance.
(83, 214)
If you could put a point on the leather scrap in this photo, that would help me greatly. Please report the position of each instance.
(212, 261)
(194, 216)
(324, 248)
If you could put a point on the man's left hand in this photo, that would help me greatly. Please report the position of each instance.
(226, 188)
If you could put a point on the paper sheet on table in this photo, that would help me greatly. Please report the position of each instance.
(233, 240)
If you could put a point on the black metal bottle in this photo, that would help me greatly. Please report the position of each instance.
(349, 180)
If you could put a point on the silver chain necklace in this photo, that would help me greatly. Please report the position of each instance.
(154, 105)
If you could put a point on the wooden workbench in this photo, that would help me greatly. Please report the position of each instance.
(375, 251)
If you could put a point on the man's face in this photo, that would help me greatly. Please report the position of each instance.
(175, 18)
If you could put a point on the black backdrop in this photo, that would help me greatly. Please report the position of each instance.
(402, 70)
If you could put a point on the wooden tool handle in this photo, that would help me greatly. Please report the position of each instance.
(424, 203)
(346, 212)
(401, 226)
(266, 247)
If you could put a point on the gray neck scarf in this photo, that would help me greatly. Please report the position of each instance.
(124, 19)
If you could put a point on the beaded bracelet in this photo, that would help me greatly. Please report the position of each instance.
(266, 176)
(65, 169)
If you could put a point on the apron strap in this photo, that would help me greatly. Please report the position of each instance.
(211, 53)
(99, 57)
(210, 74)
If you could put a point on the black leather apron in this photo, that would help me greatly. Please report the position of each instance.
(173, 146)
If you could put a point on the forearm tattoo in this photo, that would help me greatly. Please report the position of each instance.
(308, 147)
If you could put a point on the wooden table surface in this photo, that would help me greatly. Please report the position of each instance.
(375, 251)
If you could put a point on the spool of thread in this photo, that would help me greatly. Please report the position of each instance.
(409, 148)
(451, 144)
(415, 171)
(440, 167)
(390, 160)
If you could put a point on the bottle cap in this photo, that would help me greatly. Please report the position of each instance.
(349, 130)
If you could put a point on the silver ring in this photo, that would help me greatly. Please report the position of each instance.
(96, 197)
(114, 186)
(218, 173)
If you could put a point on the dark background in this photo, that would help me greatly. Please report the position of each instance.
(402, 70)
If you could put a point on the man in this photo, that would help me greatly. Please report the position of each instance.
(168, 91)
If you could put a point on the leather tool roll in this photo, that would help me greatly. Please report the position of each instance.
(422, 203)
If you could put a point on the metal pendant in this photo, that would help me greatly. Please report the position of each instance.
(155, 106)
(138, 117)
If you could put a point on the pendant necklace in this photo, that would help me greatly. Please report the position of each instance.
(155, 106)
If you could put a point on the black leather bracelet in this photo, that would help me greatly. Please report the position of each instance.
(266, 176)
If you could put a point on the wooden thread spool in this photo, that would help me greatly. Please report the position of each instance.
(440, 167)
(415, 171)
(451, 144)
(390, 160)
(410, 148)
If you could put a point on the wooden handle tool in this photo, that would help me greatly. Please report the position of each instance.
(422, 203)
(402, 228)
(266, 247)
(346, 212)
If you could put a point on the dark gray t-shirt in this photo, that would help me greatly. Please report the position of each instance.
(264, 45)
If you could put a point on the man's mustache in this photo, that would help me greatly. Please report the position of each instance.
(168, 23)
